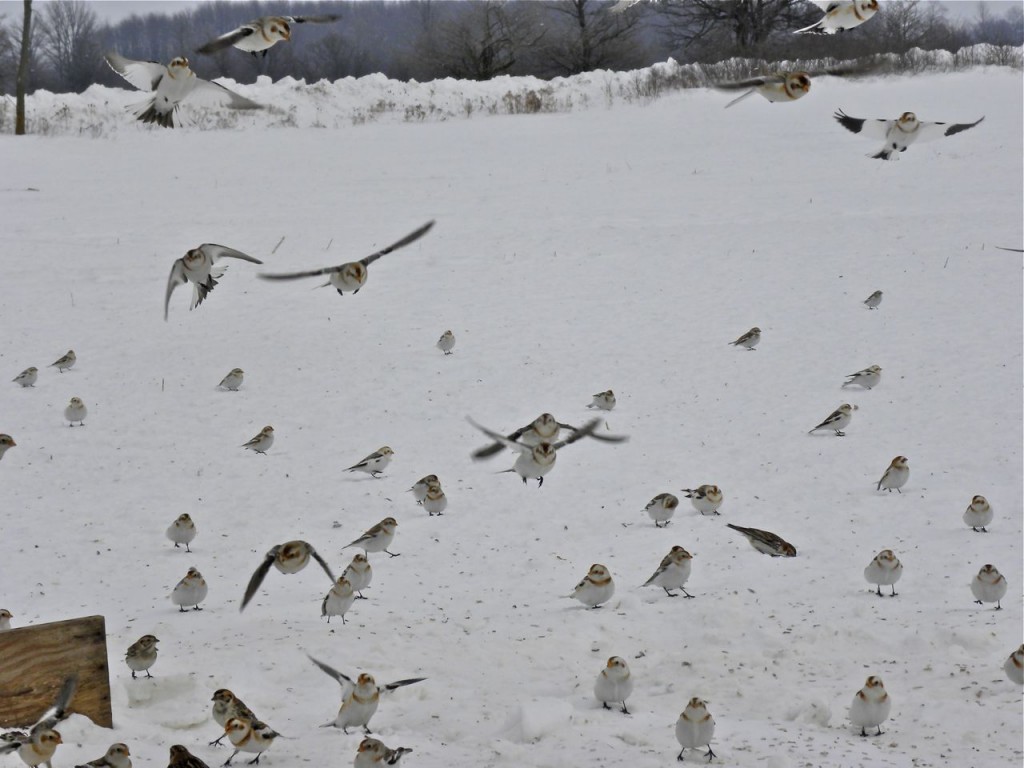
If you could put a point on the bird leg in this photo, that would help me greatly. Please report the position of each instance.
(393, 554)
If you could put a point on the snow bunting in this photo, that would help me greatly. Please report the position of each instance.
(872, 301)
(359, 574)
(661, 508)
(544, 429)
(375, 463)
(900, 133)
(373, 753)
(673, 573)
(884, 569)
(837, 420)
(182, 531)
(614, 683)
(978, 514)
(782, 86)
(604, 401)
(896, 476)
(27, 378)
(199, 267)
(867, 378)
(695, 728)
(249, 736)
(172, 85)
(748, 340)
(766, 541)
(5, 619)
(359, 698)
(706, 499)
(261, 34)
(338, 600)
(378, 538)
(419, 488)
(38, 744)
(435, 502)
(191, 590)
(182, 758)
(64, 362)
(1014, 666)
(261, 443)
(989, 586)
(6, 443)
(447, 342)
(351, 276)
(840, 15)
(116, 757)
(76, 411)
(871, 705)
(233, 380)
(595, 588)
(290, 557)
(141, 655)
(226, 706)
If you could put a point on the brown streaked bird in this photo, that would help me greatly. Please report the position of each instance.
(182, 758)
(141, 655)
(766, 541)
(249, 736)
(748, 340)
(6, 443)
(226, 706)
(290, 557)
(117, 756)
(261, 442)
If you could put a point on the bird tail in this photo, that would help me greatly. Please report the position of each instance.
(740, 98)
(147, 113)
(814, 29)
(885, 154)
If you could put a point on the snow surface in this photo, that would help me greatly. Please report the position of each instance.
(599, 248)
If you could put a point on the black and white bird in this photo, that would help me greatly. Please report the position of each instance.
(544, 429)
(38, 744)
(199, 267)
(359, 697)
(781, 86)
(261, 34)
(840, 15)
(837, 420)
(900, 133)
(290, 557)
(171, 85)
(117, 756)
(373, 753)
(868, 377)
(766, 541)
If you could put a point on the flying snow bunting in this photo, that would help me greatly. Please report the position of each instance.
(290, 557)
(900, 133)
(261, 34)
(840, 15)
(199, 267)
(359, 698)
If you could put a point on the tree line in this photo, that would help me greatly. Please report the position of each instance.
(425, 40)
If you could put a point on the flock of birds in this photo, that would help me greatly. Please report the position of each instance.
(536, 445)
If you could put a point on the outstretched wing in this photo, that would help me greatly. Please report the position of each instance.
(595, 435)
(400, 683)
(323, 564)
(326, 18)
(875, 129)
(587, 430)
(412, 237)
(144, 75)
(215, 95)
(176, 278)
(343, 679)
(932, 131)
(214, 252)
(258, 576)
(59, 710)
(494, 448)
(498, 438)
(227, 40)
(754, 82)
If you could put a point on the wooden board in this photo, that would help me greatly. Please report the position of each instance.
(35, 661)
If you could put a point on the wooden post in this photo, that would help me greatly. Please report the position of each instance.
(35, 661)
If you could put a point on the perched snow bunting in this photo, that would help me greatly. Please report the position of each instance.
(191, 590)
(373, 753)
(884, 569)
(603, 401)
(338, 600)
(233, 380)
(262, 33)
(595, 588)
(199, 267)
(249, 736)
(64, 362)
(661, 508)
(359, 698)
(172, 85)
(782, 86)
(840, 15)
(837, 420)
(614, 683)
(6, 443)
(261, 443)
(871, 705)
(544, 429)
(978, 514)
(76, 411)
(182, 531)
(695, 728)
(226, 706)
(182, 758)
(766, 541)
(872, 301)
(896, 476)
(435, 501)
(141, 655)
(447, 342)
(351, 276)
(378, 538)
(5, 619)
(27, 378)
(38, 745)
(989, 586)
(673, 573)
(1014, 666)
(749, 340)
(359, 574)
(375, 463)
(706, 499)
(419, 488)
(290, 557)
(867, 378)
(117, 757)
(901, 133)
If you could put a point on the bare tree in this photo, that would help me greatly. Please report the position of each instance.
(485, 40)
(23, 61)
(595, 38)
(743, 25)
(69, 41)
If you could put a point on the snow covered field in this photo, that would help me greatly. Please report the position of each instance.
(600, 248)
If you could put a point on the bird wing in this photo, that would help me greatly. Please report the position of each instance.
(585, 431)
(933, 131)
(498, 438)
(740, 528)
(412, 237)
(399, 683)
(832, 419)
(494, 448)
(595, 435)
(753, 82)
(215, 95)
(344, 680)
(875, 129)
(58, 711)
(144, 75)
(215, 252)
(228, 39)
(323, 564)
(258, 576)
(176, 278)
(364, 461)
(327, 17)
